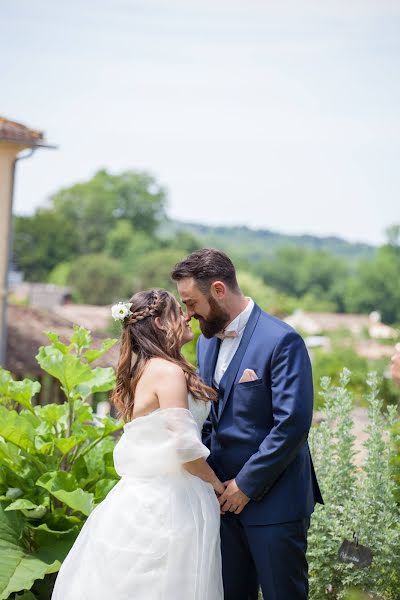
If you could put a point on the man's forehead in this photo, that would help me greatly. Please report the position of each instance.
(188, 289)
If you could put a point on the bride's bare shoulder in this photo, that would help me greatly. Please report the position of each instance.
(160, 367)
(169, 382)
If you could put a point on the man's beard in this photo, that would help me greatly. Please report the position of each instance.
(216, 320)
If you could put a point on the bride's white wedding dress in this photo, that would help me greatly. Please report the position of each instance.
(156, 535)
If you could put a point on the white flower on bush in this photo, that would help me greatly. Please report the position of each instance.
(121, 310)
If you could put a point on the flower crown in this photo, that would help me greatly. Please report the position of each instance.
(121, 310)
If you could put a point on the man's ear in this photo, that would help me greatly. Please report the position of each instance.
(218, 289)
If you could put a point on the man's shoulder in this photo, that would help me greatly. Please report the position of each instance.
(274, 323)
(275, 329)
(267, 324)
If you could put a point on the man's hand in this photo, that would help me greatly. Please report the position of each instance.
(232, 500)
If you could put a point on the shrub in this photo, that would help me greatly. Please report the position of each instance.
(330, 364)
(56, 464)
(360, 501)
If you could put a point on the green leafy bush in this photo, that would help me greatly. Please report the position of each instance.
(395, 462)
(56, 464)
(356, 500)
(331, 363)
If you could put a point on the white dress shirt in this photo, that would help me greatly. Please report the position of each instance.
(229, 345)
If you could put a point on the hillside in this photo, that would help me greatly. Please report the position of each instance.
(255, 244)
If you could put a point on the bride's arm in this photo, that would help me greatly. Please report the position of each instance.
(202, 469)
(171, 390)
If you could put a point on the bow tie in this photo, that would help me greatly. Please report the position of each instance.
(222, 335)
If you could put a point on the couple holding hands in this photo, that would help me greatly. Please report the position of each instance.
(217, 484)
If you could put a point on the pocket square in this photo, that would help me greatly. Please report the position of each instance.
(248, 375)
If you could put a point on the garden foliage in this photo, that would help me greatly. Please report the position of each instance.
(56, 464)
(358, 500)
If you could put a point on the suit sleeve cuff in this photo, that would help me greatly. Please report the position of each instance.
(250, 491)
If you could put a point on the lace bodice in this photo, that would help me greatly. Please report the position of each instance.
(199, 409)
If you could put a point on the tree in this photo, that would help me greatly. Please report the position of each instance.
(299, 271)
(376, 285)
(95, 206)
(267, 297)
(154, 270)
(101, 214)
(393, 236)
(139, 246)
(99, 279)
(41, 242)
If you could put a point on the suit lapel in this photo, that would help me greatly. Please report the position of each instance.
(228, 379)
(210, 360)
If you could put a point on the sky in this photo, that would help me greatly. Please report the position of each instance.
(274, 114)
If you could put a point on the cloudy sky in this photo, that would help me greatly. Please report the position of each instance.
(268, 113)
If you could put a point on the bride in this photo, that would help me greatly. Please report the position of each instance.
(156, 535)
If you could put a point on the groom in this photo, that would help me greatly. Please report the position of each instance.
(256, 432)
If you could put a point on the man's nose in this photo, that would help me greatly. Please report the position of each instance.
(189, 314)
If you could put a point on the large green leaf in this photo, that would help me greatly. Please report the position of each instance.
(16, 480)
(102, 380)
(83, 411)
(68, 369)
(23, 392)
(29, 509)
(103, 487)
(5, 380)
(111, 425)
(81, 338)
(19, 567)
(66, 444)
(20, 504)
(43, 446)
(81, 472)
(55, 339)
(9, 454)
(14, 493)
(44, 527)
(99, 459)
(26, 596)
(63, 486)
(53, 414)
(92, 355)
(16, 429)
(58, 521)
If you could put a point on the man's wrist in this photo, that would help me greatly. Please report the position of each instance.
(244, 488)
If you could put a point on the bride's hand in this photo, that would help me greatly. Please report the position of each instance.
(219, 487)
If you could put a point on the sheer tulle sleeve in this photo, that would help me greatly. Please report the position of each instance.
(159, 443)
(184, 434)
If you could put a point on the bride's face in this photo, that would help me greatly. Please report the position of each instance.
(181, 326)
(185, 328)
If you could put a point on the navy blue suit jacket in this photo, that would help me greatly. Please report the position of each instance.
(258, 432)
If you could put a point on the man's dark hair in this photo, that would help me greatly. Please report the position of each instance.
(206, 266)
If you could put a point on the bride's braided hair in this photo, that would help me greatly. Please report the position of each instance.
(147, 311)
(142, 339)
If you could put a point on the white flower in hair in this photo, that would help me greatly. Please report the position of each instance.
(121, 310)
